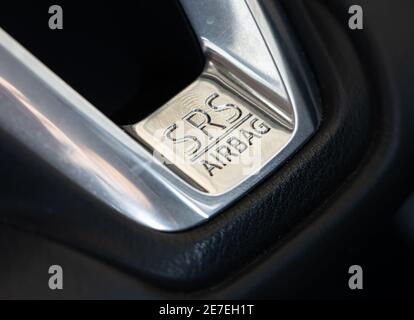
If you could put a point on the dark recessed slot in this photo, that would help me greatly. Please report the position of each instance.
(126, 58)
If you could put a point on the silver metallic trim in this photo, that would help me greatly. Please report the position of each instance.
(213, 134)
(61, 127)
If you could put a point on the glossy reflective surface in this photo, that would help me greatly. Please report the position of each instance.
(230, 33)
(213, 136)
(49, 118)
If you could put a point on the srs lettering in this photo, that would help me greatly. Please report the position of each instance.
(234, 146)
(223, 139)
(171, 310)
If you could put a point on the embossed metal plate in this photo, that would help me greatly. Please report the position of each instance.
(250, 110)
(212, 136)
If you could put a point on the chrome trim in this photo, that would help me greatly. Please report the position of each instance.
(229, 34)
(56, 123)
(214, 134)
